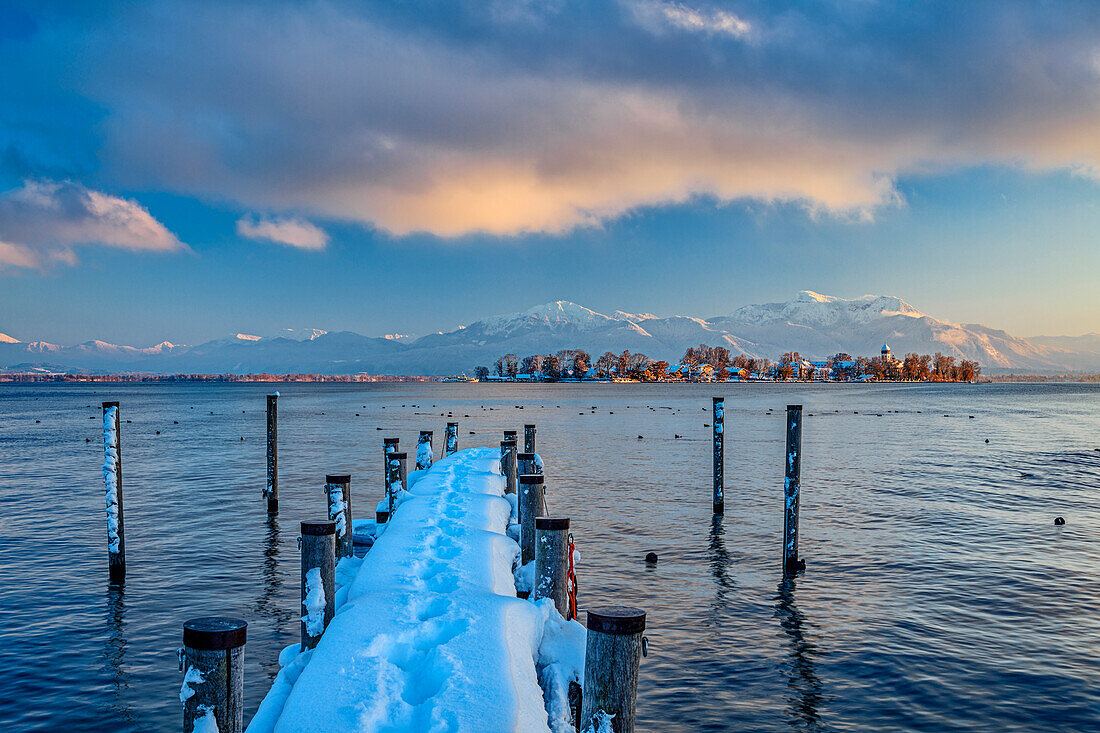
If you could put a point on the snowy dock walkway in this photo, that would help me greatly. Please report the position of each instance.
(428, 633)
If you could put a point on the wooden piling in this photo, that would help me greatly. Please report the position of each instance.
(525, 464)
(112, 482)
(402, 471)
(424, 451)
(552, 563)
(511, 435)
(389, 445)
(613, 652)
(532, 504)
(529, 438)
(792, 489)
(719, 422)
(212, 660)
(318, 543)
(450, 444)
(393, 481)
(338, 490)
(272, 492)
(508, 465)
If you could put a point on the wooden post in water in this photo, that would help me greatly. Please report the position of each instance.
(719, 455)
(451, 441)
(511, 435)
(792, 488)
(525, 464)
(552, 563)
(508, 465)
(338, 490)
(272, 492)
(112, 482)
(531, 505)
(402, 472)
(388, 446)
(613, 651)
(529, 438)
(424, 451)
(318, 579)
(393, 480)
(212, 660)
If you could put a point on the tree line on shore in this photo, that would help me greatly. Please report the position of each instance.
(706, 363)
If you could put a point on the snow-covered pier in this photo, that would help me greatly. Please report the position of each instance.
(428, 633)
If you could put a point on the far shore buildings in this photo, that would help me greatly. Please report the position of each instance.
(891, 365)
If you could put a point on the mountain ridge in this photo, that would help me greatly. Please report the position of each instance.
(811, 323)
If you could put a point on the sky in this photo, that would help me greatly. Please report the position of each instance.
(184, 170)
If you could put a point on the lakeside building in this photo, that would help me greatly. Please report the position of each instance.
(891, 365)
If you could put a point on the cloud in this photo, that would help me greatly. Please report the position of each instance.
(403, 117)
(283, 230)
(657, 16)
(42, 221)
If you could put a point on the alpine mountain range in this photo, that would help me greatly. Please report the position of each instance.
(815, 325)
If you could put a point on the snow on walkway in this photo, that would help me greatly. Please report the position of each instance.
(432, 636)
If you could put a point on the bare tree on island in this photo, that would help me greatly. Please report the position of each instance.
(507, 366)
(606, 364)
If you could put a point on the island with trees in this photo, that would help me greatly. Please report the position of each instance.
(705, 363)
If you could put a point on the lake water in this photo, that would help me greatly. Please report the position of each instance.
(938, 595)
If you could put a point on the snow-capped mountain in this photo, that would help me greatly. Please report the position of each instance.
(815, 325)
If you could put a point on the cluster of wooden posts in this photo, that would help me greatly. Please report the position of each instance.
(792, 480)
(213, 647)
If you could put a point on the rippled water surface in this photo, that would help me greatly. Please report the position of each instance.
(938, 593)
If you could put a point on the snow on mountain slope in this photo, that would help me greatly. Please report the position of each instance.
(819, 325)
(813, 309)
(559, 314)
(6, 339)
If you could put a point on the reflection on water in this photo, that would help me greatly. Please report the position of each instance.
(719, 559)
(271, 604)
(804, 696)
(114, 651)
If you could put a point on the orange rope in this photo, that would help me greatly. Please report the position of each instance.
(571, 580)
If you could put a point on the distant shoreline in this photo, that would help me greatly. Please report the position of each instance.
(25, 378)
